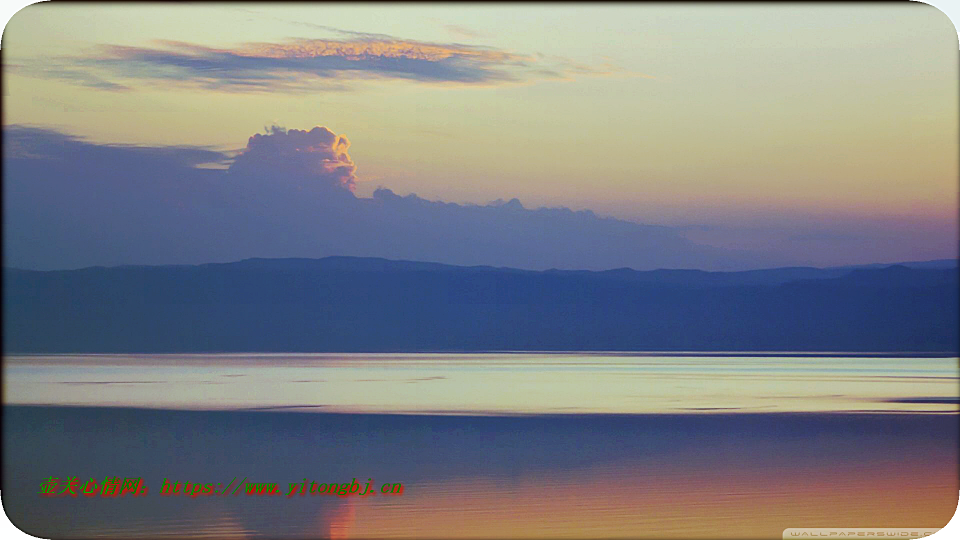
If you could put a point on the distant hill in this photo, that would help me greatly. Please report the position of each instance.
(942, 264)
(367, 304)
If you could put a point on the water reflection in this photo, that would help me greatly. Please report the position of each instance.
(685, 475)
(498, 445)
(487, 383)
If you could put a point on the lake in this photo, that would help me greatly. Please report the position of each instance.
(487, 383)
(486, 445)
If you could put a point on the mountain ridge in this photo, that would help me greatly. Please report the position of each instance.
(929, 264)
(378, 305)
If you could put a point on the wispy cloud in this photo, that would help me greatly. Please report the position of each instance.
(56, 69)
(305, 65)
(459, 30)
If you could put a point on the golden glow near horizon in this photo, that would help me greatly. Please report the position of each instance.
(831, 116)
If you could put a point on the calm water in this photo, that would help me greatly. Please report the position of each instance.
(487, 446)
(487, 383)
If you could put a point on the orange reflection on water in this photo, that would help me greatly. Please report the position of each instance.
(343, 518)
(673, 502)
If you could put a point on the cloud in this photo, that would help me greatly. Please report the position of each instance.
(30, 142)
(459, 30)
(318, 155)
(53, 69)
(305, 65)
(71, 203)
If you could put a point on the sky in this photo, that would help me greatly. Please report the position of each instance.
(720, 136)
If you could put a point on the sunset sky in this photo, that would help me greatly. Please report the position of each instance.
(816, 134)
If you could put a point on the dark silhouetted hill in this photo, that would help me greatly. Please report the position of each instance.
(364, 304)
